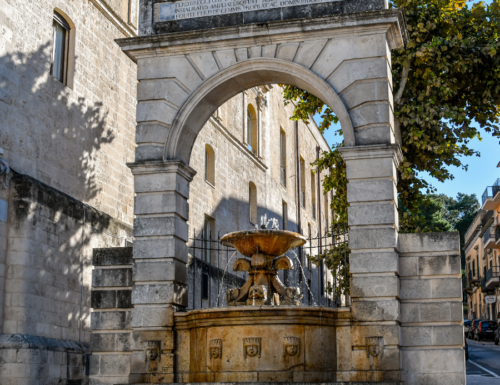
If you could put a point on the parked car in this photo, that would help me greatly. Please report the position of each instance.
(485, 330)
(473, 325)
(467, 324)
(466, 348)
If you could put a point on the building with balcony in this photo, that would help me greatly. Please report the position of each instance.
(481, 247)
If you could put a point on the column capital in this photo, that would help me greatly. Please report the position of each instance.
(372, 152)
(162, 167)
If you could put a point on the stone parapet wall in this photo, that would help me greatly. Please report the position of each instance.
(27, 359)
(431, 309)
(111, 319)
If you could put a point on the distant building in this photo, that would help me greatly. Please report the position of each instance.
(482, 245)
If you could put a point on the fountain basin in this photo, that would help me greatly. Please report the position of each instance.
(269, 242)
(260, 344)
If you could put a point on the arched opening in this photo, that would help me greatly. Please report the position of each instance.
(216, 90)
(63, 48)
(252, 130)
(209, 165)
(252, 203)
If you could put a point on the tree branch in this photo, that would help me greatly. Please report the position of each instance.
(402, 84)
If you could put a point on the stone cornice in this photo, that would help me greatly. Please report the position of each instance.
(371, 152)
(162, 166)
(390, 22)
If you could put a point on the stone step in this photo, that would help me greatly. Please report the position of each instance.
(113, 256)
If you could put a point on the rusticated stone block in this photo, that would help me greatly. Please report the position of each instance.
(112, 277)
(114, 256)
(381, 310)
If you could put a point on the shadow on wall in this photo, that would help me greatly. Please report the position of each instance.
(49, 133)
(54, 144)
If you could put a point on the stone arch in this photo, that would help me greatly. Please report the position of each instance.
(225, 84)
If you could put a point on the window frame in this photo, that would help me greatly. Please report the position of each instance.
(60, 20)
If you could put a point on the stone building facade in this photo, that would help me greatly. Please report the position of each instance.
(67, 129)
(67, 140)
(482, 245)
(249, 180)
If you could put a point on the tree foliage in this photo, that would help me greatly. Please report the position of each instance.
(450, 77)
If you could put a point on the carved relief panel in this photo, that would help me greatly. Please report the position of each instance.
(252, 347)
(291, 346)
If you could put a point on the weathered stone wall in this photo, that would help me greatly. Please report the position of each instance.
(68, 145)
(431, 309)
(75, 139)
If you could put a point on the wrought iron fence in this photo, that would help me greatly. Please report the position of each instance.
(321, 271)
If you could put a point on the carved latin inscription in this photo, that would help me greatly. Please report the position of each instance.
(215, 349)
(252, 347)
(291, 346)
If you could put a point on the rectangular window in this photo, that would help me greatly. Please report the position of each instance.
(204, 282)
(283, 158)
(302, 183)
(313, 196)
(208, 233)
(60, 37)
(284, 208)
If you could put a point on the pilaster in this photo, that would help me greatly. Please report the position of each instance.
(159, 269)
(374, 261)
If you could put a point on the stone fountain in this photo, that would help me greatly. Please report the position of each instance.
(265, 248)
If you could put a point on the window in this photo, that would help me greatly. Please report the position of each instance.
(209, 165)
(284, 208)
(252, 130)
(313, 195)
(252, 200)
(208, 233)
(204, 282)
(309, 235)
(327, 224)
(60, 48)
(283, 157)
(473, 267)
(302, 182)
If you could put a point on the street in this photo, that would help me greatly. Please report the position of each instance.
(483, 367)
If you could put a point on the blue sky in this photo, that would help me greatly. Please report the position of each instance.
(482, 170)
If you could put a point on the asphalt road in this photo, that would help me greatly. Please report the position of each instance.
(483, 367)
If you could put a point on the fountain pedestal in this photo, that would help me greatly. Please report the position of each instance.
(263, 287)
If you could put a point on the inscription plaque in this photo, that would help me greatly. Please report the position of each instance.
(188, 9)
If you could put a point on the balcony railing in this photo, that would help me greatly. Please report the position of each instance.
(283, 176)
(488, 216)
(491, 277)
(491, 191)
(489, 238)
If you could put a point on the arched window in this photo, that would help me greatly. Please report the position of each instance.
(209, 165)
(252, 130)
(252, 199)
(61, 41)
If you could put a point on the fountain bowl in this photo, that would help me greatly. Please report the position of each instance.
(269, 242)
